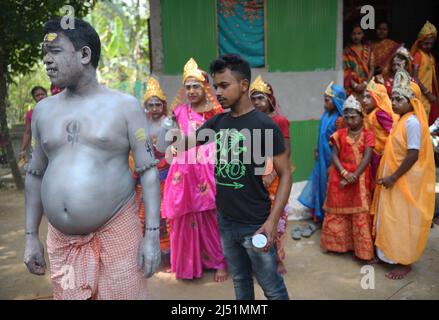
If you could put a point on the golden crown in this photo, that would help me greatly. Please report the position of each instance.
(153, 90)
(428, 29)
(259, 86)
(329, 91)
(401, 85)
(191, 70)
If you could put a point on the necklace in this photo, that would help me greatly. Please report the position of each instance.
(194, 124)
(354, 135)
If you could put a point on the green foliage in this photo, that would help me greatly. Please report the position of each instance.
(123, 28)
(21, 31)
(20, 99)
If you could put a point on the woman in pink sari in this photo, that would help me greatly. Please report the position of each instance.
(189, 193)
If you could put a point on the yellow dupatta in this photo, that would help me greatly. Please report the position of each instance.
(427, 68)
(383, 103)
(406, 209)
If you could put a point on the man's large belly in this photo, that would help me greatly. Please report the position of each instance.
(80, 194)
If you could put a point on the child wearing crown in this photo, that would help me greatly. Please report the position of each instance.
(348, 224)
(403, 202)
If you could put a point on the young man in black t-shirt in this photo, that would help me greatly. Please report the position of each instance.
(245, 138)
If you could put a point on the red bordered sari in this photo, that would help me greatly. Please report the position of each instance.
(348, 224)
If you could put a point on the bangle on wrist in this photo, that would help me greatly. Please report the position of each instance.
(152, 229)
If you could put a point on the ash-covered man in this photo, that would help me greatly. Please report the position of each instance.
(78, 176)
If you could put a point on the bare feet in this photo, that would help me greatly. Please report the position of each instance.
(221, 275)
(374, 260)
(281, 268)
(400, 272)
(166, 270)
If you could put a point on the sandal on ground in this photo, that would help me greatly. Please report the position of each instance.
(309, 230)
(296, 233)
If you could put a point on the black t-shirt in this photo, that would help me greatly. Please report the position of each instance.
(242, 146)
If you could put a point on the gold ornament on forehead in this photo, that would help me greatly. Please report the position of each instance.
(428, 29)
(259, 86)
(50, 37)
(329, 91)
(191, 70)
(153, 90)
(401, 85)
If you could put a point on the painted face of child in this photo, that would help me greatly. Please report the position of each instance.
(194, 90)
(154, 107)
(329, 105)
(401, 105)
(353, 119)
(399, 62)
(260, 101)
(428, 44)
(368, 102)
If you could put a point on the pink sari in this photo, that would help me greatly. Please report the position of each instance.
(189, 203)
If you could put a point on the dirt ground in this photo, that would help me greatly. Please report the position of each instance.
(311, 274)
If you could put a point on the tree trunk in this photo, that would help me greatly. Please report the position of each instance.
(4, 128)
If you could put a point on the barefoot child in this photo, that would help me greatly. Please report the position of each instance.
(347, 224)
(262, 97)
(404, 198)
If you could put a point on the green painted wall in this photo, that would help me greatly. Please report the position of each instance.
(303, 141)
(301, 35)
(189, 30)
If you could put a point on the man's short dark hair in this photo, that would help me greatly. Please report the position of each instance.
(34, 89)
(82, 35)
(235, 63)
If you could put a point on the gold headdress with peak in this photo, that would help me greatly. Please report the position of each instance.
(428, 30)
(401, 85)
(153, 89)
(372, 85)
(329, 91)
(259, 86)
(352, 103)
(191, 70)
